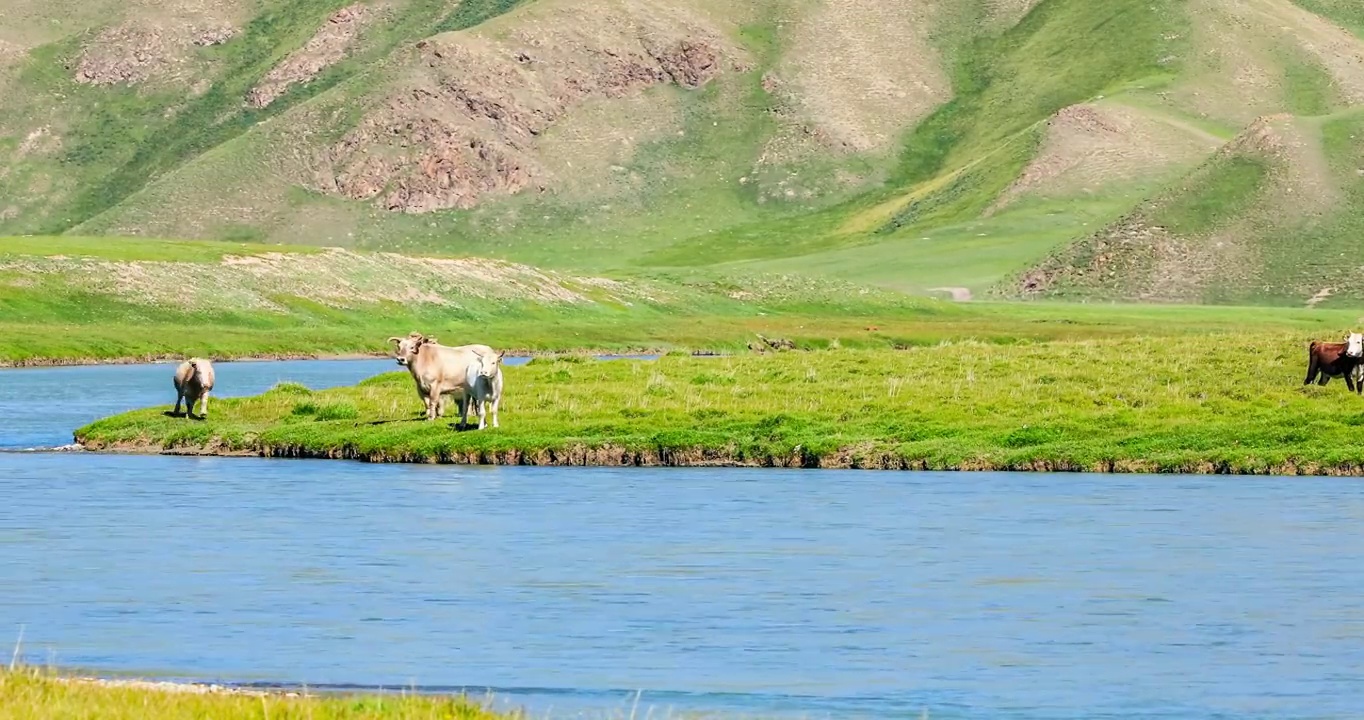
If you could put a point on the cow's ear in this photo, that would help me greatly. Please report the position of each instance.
(501, 354)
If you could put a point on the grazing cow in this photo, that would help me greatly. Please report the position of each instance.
(1340, 359)
(193, 382)
(486, 381)
(439, 370)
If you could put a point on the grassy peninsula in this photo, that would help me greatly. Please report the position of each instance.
(27, 694)
(1225, 403)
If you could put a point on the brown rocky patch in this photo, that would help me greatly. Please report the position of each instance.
(154, 46)
(325, 48)
(465, 126)
(125, 55)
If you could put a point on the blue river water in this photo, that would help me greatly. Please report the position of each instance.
(740, 593)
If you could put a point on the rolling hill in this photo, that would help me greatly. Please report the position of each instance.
(1200, 151)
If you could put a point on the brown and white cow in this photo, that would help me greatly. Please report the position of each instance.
(440, 370)
(1338, 359)
(193, 382)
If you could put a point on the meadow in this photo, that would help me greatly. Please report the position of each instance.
(73, 300)
(1220, 403)
(27, 694)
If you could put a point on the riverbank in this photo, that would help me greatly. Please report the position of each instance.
(1217, 404)
(29, 694)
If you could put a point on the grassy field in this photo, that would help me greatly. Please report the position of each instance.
(32, 695)
(1222, 403)
(72, 300)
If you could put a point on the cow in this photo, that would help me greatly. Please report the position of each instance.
(439, 370)
(1339, 359)
(486, 381)
(193, 382)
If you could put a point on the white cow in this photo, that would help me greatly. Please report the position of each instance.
(440, 370)
(486, 381)
(193, 382)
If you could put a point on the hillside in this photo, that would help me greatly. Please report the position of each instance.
(1145, 150)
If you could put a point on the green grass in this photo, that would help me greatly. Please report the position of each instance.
(1347, 13)
(1004, 86)
(957, 161)
(1309, 88)
(52, 318)
(33, 695)
(125, 249)
(1221, 194)
(1227, 403)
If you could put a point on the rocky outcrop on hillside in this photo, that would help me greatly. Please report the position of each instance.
(464, 127)
(138, 51)
(327, 47)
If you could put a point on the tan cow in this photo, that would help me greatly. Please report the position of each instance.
(193, 383)
(439, 370)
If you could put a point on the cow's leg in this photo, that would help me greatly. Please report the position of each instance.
(482, 405)
(1312, 369)
(463, 411)
(178, 398)
(203, 411)
(497, 399)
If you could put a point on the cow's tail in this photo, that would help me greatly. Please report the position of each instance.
(1311, 363)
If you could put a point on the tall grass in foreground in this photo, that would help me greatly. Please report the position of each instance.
(1231, 403)
(31, 695)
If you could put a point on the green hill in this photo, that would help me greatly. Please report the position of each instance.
(1140, 150)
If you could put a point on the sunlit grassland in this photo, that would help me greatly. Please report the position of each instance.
(1230, 403)
(32, 695)
(87, 315)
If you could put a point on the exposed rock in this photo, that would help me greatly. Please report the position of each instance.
(327, 47)
(214, 35)
(465, 127)
(155, 46)
(124, 55)
(689, 63)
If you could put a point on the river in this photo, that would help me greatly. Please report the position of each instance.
(747, 593)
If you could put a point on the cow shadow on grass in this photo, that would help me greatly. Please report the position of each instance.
(173, 414)
(421, 418)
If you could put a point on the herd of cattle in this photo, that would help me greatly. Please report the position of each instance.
(472, 374)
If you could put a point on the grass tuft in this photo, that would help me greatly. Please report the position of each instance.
(28, 694)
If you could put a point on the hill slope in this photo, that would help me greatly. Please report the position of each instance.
(987, 145)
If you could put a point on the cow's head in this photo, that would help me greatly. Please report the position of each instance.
(1354, 345)
(490, 365)
(405, 349)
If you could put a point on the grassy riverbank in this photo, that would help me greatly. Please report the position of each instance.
(1221, 403)
(31, 695)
